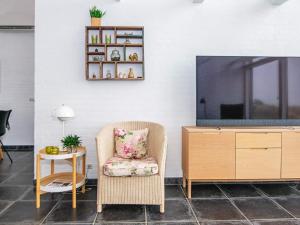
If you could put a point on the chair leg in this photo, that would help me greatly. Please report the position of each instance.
(99, 208)
(162, 208)
(11, 161)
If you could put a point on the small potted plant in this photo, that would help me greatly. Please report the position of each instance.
(71, 143)
(96, 15)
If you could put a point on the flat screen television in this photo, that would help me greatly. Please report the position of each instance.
(247, 90)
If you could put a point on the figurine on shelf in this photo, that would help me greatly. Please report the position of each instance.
(130, 74)
(94, 39)
(94, 76)
(128, 34)
(120, 75)
(115, 55)
(108, 74)
(127, 41)
(96, 50)
(96, 58)
(107, 39)
(134, 57)
(124, 76)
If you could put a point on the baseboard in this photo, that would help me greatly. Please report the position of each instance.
(168, 180)
(19, 147)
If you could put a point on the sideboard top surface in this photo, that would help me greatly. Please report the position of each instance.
(241, 129)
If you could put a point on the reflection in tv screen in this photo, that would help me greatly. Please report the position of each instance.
(241, 88)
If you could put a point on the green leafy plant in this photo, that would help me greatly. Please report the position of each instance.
(71, 141)
(96, 13)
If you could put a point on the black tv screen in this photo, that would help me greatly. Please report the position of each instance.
(258, 90)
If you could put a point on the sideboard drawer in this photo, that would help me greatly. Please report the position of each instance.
(258, 163)
(258, 140)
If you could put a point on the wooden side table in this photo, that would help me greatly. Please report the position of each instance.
(76, 179)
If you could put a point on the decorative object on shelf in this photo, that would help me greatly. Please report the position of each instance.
(94, 76)
(128, 34)
(96, 58)
(71, 143)
(107, 39)
(52, 150)
(96, 50)
(115, 55)
(120, 75)
(130, 73)
(94, 39)
(64, 113)
(133, 57)
(96, 16)
(124, 76)
(127, 41)
(108, 74)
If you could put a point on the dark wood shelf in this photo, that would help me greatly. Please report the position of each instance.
(104, 49)
(116, 62)
(96, 53)
(129, 36)
(114, 27)
(91, 79)
(115, 45)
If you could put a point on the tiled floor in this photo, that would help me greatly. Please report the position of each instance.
(212, 204)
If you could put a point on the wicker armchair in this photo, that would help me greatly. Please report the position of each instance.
(148, 190)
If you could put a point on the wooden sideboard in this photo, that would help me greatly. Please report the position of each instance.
(212, 154)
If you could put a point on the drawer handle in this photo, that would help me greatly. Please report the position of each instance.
(259, 148)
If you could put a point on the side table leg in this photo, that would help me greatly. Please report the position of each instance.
(52, 167)
(83, 172)
(74, 183)
(38, 180)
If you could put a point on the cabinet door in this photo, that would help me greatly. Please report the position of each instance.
(212, 155)
(258, 163)
(290, 155)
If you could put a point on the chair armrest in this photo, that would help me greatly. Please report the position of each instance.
(159, 152)
(105, 147)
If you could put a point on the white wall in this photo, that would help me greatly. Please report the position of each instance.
(17, 84)
(175, 32)
(17, 12)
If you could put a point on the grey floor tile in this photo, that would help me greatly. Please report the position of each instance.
(215, 209)
(175, 210)
(4, 177)
(225, 223)
(20, 179)
(12, 192)
(45, 197)
(4, 204)
(90, 194)
(84, 212)
(290, 204)
(239, 190)
(206, 191)
(173, 223)
(25, 212)
(260, 208)
(277, 190)
(276, 222)
(173, 191)
(122, 213)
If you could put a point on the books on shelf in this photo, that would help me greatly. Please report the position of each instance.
(59, 183)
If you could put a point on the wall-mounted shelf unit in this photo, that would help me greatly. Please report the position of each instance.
(100, 42)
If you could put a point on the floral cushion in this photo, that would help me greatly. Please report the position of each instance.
(131, 144)
(119, 167)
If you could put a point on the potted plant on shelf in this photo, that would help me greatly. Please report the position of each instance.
(71, 143)
(96, 15)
